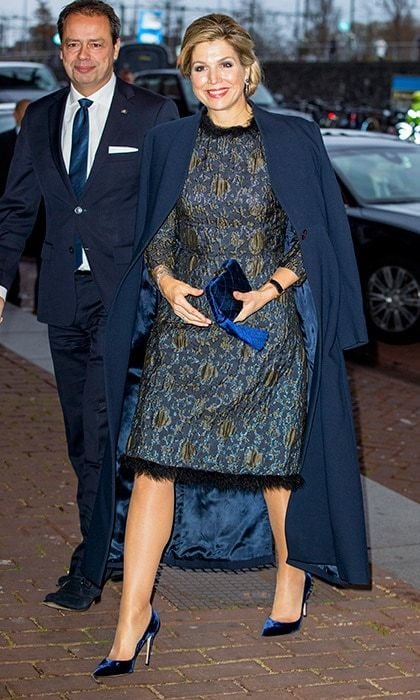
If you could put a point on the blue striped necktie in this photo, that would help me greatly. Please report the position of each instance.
(79, 147)
(79, 161)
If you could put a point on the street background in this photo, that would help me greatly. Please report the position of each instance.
(335, 59)
(354, 643)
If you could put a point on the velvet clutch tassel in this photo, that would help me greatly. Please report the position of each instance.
(225, 307)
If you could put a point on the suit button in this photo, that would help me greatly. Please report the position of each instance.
(78, 210)
(71, 249)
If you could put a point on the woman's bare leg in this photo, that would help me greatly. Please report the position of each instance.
(290, 581)
(149, 526)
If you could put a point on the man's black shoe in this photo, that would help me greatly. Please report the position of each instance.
(116, 575)
(76, 594)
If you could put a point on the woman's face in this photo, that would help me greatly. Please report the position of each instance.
(217, 76)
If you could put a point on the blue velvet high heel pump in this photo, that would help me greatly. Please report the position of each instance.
(113, 667)
(273, 628)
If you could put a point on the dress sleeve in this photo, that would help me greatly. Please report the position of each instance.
(161, 249)
(293, 260)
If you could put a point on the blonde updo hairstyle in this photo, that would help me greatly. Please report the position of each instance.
(216, 26)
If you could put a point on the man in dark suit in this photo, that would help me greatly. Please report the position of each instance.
(80, 150)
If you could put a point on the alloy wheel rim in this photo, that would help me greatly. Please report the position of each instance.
(394, 298)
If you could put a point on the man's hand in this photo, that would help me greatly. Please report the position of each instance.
(2, 303)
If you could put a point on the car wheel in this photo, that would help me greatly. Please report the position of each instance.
(392, 288)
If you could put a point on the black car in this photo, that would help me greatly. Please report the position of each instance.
(379, 177)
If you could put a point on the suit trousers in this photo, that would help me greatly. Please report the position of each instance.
(77, 354)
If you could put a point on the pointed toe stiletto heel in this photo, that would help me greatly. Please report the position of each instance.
(114, 667)
(272, 628)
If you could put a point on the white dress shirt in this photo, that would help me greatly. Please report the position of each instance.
(98, 114)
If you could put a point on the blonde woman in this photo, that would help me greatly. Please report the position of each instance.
(235, 182)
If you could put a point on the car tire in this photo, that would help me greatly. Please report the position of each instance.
(392, 296)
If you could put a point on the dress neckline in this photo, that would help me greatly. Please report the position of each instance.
(212, 128)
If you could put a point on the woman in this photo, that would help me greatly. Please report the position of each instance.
(211, 410)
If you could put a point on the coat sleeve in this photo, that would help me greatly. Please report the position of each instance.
(167, 113)
(18, 207)
(143, 194)
(351, 324)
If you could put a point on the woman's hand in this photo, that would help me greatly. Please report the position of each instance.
(254, 301)
(176, 292)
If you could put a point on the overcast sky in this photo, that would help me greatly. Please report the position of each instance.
(19, 6)
(364, 9)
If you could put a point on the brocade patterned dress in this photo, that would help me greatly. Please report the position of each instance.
(210, 408)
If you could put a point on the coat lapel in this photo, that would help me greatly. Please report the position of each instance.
(171, 178)
(55, 121)
(281, 153)
(177, 164)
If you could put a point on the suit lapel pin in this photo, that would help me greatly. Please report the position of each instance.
(124, 111)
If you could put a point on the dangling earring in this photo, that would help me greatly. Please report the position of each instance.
(246, 87)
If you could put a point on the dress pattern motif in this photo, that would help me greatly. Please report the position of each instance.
(209, 406)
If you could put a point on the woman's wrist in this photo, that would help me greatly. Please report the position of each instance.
(159, 273)
(268, 291)
(273, 289)
(277, 286)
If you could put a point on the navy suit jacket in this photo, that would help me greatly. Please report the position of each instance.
(103, 217)
(325, 524)
(7, 147)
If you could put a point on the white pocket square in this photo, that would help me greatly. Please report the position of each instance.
(121, 149)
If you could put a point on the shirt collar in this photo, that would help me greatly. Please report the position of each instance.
(103, 95)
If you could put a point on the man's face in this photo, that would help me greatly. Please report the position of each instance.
(87, 52)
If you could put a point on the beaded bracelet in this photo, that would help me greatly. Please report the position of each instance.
(161, 272)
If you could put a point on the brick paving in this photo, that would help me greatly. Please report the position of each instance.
(354, 643)
(387, 413)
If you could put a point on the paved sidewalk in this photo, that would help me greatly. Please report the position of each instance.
(354, 644)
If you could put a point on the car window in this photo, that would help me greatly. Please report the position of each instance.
(7, 121)
(31, 77)
(151, 82)
(263, 98)
(380, 174)
(192, 102)
(170, 87)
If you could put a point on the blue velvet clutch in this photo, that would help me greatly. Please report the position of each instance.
(225, 307)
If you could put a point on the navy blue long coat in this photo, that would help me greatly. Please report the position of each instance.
(230, 529)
